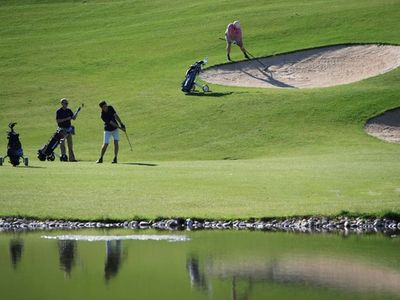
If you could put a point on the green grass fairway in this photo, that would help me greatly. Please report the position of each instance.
(243, 152)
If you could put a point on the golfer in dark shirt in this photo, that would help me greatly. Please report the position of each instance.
(112, 123)
(63, 117)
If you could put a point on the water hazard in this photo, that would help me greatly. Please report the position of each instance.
(126, 264)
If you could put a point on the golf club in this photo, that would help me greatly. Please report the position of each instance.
(127, 137)
(252, 56)
(255, 58)
(78, 110)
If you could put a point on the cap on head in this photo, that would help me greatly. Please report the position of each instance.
(237, 24)
(102, 103)
(64, 100)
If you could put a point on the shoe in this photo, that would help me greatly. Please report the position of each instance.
(247, 56)
(63, 157)
(73, 160)
(229, 57)
(114, 161)
(99, 161)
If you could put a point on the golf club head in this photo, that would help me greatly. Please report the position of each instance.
(11, 125)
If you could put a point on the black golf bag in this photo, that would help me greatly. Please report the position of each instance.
(47, 151)
(189, 84)
(14, 147)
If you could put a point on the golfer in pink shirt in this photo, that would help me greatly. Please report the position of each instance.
(233, 34)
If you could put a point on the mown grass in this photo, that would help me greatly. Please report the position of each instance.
(135, 53)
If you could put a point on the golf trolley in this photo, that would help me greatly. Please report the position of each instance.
(47, 151)
(14, 148)
(189, 84)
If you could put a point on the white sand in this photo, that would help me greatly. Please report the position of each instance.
(385, 126)
(321, 67)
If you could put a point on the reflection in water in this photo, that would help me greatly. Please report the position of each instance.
(322, 272)
(197, 279)
(16, 247)
(218, 265)
(113, 259)
(235, 295)
(67, 253)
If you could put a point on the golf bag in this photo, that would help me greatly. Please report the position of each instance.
(47, 151)
(14, 147)
(189, 84)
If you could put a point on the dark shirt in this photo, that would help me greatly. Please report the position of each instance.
(62, 114)
(107, 117)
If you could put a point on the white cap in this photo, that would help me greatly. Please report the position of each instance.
(63, 99)
(237, 24)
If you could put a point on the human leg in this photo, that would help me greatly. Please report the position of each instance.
(115, 134)
(102, 152)
(116, 149)
(244, 52)
(70, 148)
(239, 42)
(228, 50)
(106, 141)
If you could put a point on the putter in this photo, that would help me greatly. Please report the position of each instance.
(127, 137)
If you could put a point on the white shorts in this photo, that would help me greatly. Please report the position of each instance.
(108, 134)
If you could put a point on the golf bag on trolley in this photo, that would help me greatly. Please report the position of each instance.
(47, 151)
(14, 148)
(189, 84)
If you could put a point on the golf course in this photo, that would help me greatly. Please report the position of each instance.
(234, 152)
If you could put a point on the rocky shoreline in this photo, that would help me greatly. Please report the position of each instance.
(309, 224)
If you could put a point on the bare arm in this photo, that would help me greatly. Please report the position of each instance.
(118, 119)
(63, 120)
(114, 124)
(120, 122)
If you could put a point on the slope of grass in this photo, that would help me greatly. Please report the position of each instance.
(135, 53)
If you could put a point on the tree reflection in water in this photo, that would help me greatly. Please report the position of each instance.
(67, 254)
(16, 248)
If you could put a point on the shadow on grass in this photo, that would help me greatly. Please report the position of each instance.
(210, 94)
(34, 167)
(140, 164)
(26, 167)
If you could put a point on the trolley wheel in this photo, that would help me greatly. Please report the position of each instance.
(51, 157)
(205, 88)
(26, 161)
(14, 160)
(41, 156)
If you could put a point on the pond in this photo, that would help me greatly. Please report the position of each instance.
(128, 264)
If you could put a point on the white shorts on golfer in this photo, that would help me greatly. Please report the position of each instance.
(108, 134)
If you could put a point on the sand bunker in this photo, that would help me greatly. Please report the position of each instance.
(385, 126)
(321, 67)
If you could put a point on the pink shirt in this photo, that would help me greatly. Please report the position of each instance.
(233, 33)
